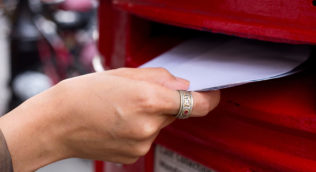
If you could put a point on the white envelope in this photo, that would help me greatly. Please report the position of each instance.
(212, 63)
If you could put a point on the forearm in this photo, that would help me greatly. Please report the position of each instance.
(30, 133)
(5, 157)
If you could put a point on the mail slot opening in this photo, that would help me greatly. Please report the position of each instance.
(139, 40)
(149, 39)
(130, 40)
(142, 40)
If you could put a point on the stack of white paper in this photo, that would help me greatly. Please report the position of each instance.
(210, 63)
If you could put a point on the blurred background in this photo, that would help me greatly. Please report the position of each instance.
(43, 42)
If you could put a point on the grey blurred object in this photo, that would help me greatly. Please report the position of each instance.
(7, 6)
(52, 2)
(4, 64)
(64, 17)
(69, 165)
(30, 83)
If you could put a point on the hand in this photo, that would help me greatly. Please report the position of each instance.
(112, 116)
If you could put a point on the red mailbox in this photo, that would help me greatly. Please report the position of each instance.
(266, 126)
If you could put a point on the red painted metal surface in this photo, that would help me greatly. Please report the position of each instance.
(98, 166)
(274, 20)
(266, 126)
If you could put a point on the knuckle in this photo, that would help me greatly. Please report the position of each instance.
(164, 72)
(118, 71)
(148, 100)
(148, 130)
(64, 85)
(149, 104)
(130, 161)
(142, 150)
(121, 69)
(145, 131)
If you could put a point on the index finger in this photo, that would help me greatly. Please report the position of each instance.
(158, 76)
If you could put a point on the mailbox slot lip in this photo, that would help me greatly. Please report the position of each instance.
(264, 30)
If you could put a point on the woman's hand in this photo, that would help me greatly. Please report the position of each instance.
(112, 116)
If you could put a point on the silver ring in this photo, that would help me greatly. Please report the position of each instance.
(186, 105)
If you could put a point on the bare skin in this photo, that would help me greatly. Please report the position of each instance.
(112, 116)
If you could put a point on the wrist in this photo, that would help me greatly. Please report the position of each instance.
(31, 133)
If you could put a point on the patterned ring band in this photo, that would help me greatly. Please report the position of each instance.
(186, 105)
